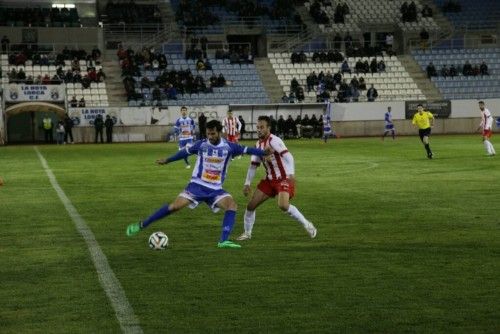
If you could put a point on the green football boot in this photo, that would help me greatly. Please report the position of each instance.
(228, 244)
(133, 229)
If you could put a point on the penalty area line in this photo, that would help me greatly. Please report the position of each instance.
(109, 282)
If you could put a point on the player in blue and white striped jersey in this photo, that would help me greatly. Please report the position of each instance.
(389, 126)
(184, 128)
(209, 174)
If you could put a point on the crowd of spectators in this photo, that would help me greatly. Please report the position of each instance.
(73, 74)
(297, 128)
(452, 71)
(131, 12)
(193, 13)
(320, 16)
(409, 12)
(39, 17)
(168, 83)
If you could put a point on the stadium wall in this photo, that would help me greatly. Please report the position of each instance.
(350, 119)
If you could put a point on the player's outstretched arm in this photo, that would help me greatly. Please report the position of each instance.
(178, 156)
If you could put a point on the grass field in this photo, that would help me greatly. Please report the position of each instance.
(405, 244)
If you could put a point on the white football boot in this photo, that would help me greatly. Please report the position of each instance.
(311, 230)
(244, 236)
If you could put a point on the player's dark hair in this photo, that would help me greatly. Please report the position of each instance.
(420, 105)
(214, 124)
(183, 107)
(266, 119)
(481, 102)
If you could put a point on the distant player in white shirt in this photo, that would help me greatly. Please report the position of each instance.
(389, 126)
(327, 123)
(486, 126)
(231, 127)
(184, 128)
(279, 180)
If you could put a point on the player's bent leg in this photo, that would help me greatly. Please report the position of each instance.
(283, 202)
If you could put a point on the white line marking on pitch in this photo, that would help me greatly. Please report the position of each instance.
(111, 285)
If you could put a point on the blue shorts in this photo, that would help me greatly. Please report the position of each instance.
(197, 193)
(184, 142)
(389, 126)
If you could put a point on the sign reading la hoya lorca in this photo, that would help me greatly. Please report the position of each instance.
(23, 93)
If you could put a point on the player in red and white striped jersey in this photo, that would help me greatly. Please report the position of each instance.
(486, 125)
(279, 180)
(231, 127)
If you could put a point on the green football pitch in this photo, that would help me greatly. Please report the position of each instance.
(404, 244)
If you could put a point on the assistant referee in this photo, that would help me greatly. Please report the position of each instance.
(424, 120)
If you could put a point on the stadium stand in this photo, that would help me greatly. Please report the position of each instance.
(210, 17)
(471, 14)
(131, 13)
(39, 17)
(392, 84)
(193, 84)
(463, 86)
(350, 15)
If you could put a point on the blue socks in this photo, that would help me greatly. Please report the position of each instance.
(227, 224)
(159, 214)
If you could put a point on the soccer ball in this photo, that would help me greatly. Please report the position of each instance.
(158, 241)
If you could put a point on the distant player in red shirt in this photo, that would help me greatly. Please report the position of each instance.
(279, 180)
(231, 127)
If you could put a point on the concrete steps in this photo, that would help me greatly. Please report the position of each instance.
(269, 79)
(114, 80)
(428, 88)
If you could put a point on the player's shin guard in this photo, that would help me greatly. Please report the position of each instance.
(159, 214)
(295, 214)
(249, 220)
(227, 224)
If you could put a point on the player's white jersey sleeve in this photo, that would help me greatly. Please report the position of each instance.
(238, 124)
(224, 125)
(486, 120)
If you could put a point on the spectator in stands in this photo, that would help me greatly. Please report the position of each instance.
(337, 78)
(359, 67)
(300, 94)
(21, 75)
(424, 38)
(100, 75)
(389, 41)
(311, 81)
(221, 81)
(348, 40)
(96, 54)
(294, 85)
(354, 93)
(445, 71)
(85, 82)
(5, 44)
(371, 94)
(200, 65)
(453, 71)
(284, 98)
(92, 74)
(337, 42)
(74, 102)
(362, 84)
(483, 69)
(213, 81)
(467, 69)
(29, 80)
(38, 80)
(156, 94)
(146, 83)
(381, 66)
(81, 103)
(171, 92)
(75, 64)
(374, 65)
(345, 67)
(355, 82)
(203, 44)
(294, 58)
(426, 11)
(431, 70)
(55, 80)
